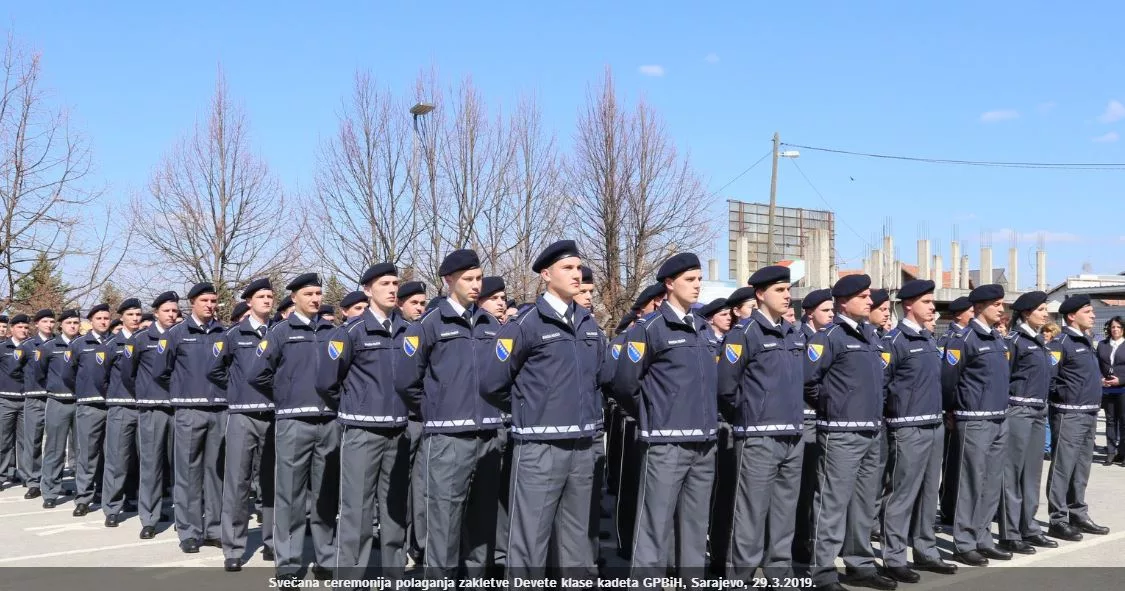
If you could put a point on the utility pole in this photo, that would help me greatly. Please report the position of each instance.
(773, 200)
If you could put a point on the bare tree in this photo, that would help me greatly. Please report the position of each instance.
(427, 196)
(214, 207)
(365, 208)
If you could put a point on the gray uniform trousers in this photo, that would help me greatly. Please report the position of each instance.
(1072, 451)
(416, 513)
(979, 447)
(198, 467)
(1023, 469)
(120, 453)
(802, 531)
(307, 462)
(89, 429)
(11, 440)
(154, 423)
(249, 436)
(765, 506)
(594, 527)
(58, 422)
(913, 475)
(462, 472)
(374, 477)
(551, 486)
(848, 477)
(674, 504)
(31, 455)
(507, 449)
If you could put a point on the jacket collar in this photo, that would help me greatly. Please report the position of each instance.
(372, 324)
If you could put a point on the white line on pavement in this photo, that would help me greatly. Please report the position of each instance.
(88, 550)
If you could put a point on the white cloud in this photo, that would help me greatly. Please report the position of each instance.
(652, 70)
(1002, 236)
(712, 58)
(999, 115)
(1107, 138)
(1114, 111)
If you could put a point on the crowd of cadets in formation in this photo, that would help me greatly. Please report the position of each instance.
(466, 435)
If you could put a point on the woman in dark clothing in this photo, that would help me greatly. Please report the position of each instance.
(1111, 357)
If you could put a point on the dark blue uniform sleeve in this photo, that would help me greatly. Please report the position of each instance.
(69, 368)
(818, 358)
(733, 352)
(953, 361)
(411, 368)
(632, 365)
(266, 358)
(500, 364)
(220, 362)
(126, 366)
(335, 359)
(163, 364)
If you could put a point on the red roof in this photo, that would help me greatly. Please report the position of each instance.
(912, 270)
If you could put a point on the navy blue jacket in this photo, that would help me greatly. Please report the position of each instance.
(668, 370)
(147, 354)
(118, 391)
(609, 369)
(33, 385)
(975, 374)
(55, 370)
(88, 369)
(356, 372)
(439, 372)
(761, 377)
(1034, 363)
(187, 361)
(913, 376)
(285, 364)
(11, 370)
(1077, 387)
(844, 377)
(808, 332)
(545, 372)
(231, 358)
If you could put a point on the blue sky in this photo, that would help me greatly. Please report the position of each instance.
(990, 81)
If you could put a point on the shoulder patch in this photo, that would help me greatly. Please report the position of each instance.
(952, 356)
(335, 348)
(38, 354)
(129, 351)
(99, 357)
(815, 351)
(886, 357)
(18, 354)
(636, 351)
(733, 352)
(217, 348)
(66, 355)
(161, 345)
(410, 345)
(262, 347)
(1056, 357)
(615, 351)
(503, 349)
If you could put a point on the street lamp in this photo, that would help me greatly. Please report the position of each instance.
(773, 193)
(421, 109)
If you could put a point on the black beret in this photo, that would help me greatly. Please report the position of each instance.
(128, 304)
(286, 303)
(255, 286)
(352, 299)
(303, 280)
(410, 288)
(238, 311)
(44, 313)
(68, 314)
(713, 307)
(555, 253)
(587, 275)
(650, 293)
(1074, 303)
(168, 296)
(767, 276)
(113, 325)
(815, 298)
(326, 310)
(879, 297)
(199, 289)
(20, 319)
(376, 271)
(1029, 301)
(458, 260)
(147, 317)
(3, 318)
(916, 288)
(626, 320)
(97, 308)
(740, 296)
(490, 286)
(676, 264)
(960, 305)
(850, 285)
(986, 293)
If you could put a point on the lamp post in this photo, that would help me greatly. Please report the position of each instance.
(773, 193)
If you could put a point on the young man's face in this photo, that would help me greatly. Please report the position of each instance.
(19, 331)
(307, 300)
(465, 285)
(131, 319)
(564, 277)
(413, 307)
(70, 327)
(382, 292)
(722, 320)
(775, 298)
(203, 306)
(858, 305)
(355, 310)
(585, 297)
(45, 326)
(495, 304)
(100, 322)
(261, 302)
(822, 316)
(685, 286)
(167, 313)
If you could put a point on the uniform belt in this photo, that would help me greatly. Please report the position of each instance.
(299, 410)
(979, 413)
(63, 395)
(91, 399)
(1076, 406)
(453, 423)
(253, 406)
(346, 416)
(120, 400)
(764, 428)
(810, 413)
(491, 420)
(1024, 400)
(677, 433)
(915, 418)
(192, 401)
(849, 424)
(11, 394)
(553, 430)
(147, 402)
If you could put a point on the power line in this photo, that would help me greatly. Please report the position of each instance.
(826, 203)
(984, 163)
(743, 173)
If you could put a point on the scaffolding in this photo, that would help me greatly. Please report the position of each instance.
(806, 234)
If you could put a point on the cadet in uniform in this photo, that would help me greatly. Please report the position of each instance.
(154, 420)
(199, 421)
(669, 372)
(88, 371)
(493, 299)
(34, 402)
(1033, 365)
(353, 305)
(1075, 400)
(250, 432)
(880, 314)
(975, 387)
(914, 437)
(609, 365)
(547, 360)
(307, 436)
(817, 311)
(760, 377)
(411, 302)
(717, 315)
(54, 370)
(585, 298)
(962, 311)
(438, 375)
(121, 415)
(844, 380)
(11, 403)
(356, 374)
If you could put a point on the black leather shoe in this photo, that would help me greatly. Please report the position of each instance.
(32, 493)
(111, 520)
(148, 532)
(321, 573)
(1017, 547)
(1042, 541)
(50, 503)
(1063, 531)
(995, 554)
(874, 581)
(232, 565)
(1087, 526)
(189, 546)
(81, 510)
(1108, 461)
(213, 542)
(267, 554)
(902, 574)
(939, 566)
(971, 558)
(876, 536)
